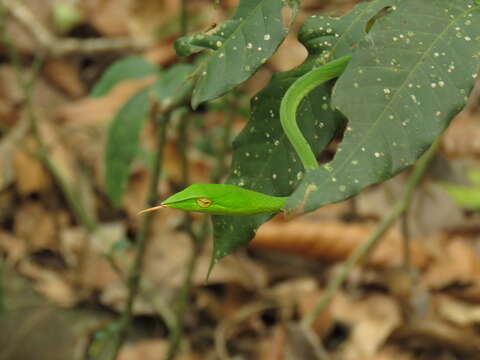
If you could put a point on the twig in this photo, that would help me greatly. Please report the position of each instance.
(221, 169)
(2, 286)
(198, 241)
(184, 18)
(134, 275)
(398, 209)
(406, 242)
(63, 46)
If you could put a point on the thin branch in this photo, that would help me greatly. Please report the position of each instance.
(361, 251)
(2, 287)
(63, 46)
(134, 275)
(197, 241)
(184, 18)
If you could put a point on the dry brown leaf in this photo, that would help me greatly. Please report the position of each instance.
(273, 346)
(144, 349)
(31, 175)
(434, 334)
(83, 252)
(289, 55)
(36, 225)
(52, 285)
(8, 147)
(462, 137)
(457, 312)
(372, 320)
(456, 262)
(431, 210)
(392, 353)
(65, 75)
(109, 17)
(333, 241)
(15, 248)
(161, 54)
(99, 111)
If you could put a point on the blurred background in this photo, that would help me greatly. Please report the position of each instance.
(66, 252)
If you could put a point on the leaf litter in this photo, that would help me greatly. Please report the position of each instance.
(384, 312)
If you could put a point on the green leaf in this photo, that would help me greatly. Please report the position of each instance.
(263, 159)
(122, 144)
(132, 67)
(465, 196)
(169, 90)
(238, 47)
(406, 81)
(173, 86)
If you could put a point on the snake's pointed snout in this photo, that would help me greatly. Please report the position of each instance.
(155, 208)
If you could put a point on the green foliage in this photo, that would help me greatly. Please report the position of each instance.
(263, 159)
(132, 67)
(173, 86)
(404, 84)
(413, 66)
(467, 196)
(123, 143)
(237, 48)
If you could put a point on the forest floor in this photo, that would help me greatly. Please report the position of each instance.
(416, 296)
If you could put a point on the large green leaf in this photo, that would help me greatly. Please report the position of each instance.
(238, 47)
(263, 158)
(173, 86)
(406, 81)
(122, 144)
(132, 67)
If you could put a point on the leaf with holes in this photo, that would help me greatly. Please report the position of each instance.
(405, 83)
(238, 47)
(263, 158)
(132, 67)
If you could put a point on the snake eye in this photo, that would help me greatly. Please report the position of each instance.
(204, 202)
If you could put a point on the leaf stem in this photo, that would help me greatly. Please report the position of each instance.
(2, 286)
(184, 18)
(197, 240)
(400, 206)
(134, 275)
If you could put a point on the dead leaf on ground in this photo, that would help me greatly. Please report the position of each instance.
(458, 312)
(51, 284)
(372, 320)
(14, 248)
(65, 75)
(333, 241)
(31, 175)
(462, 137)
(37, 226)
(456, 262)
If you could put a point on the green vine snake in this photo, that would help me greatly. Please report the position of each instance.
(224, 199)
